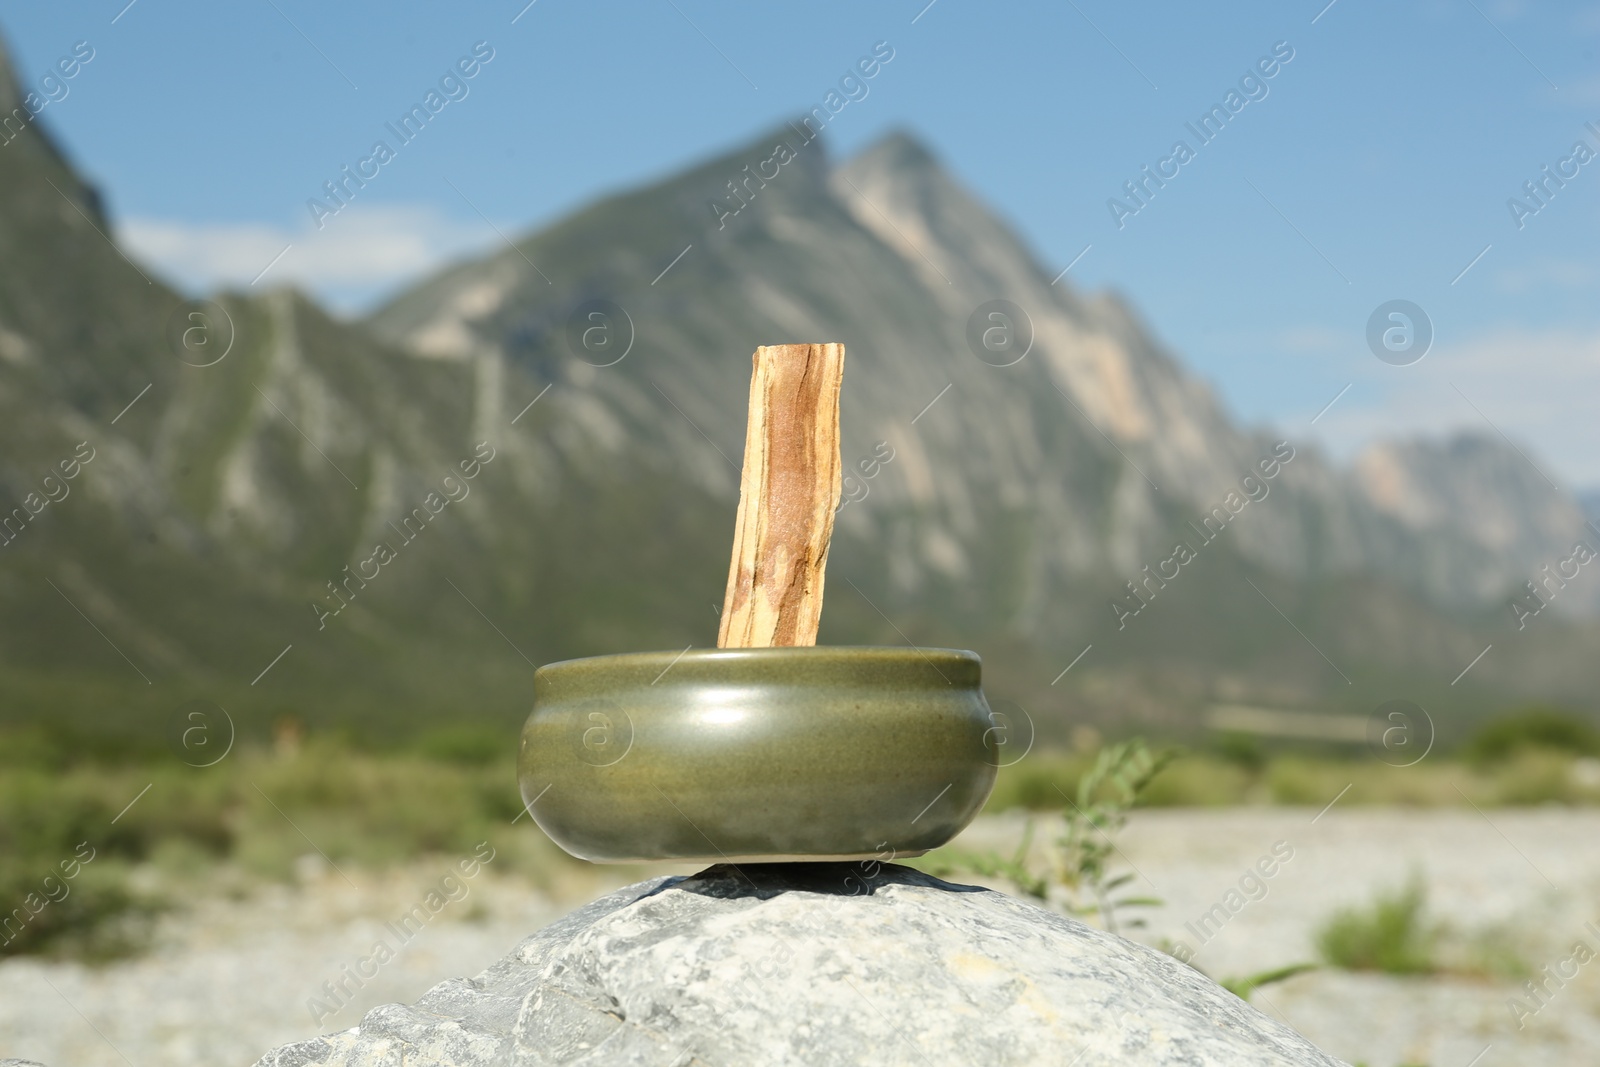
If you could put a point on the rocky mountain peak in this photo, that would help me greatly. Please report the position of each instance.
(787, 164)
(1478, 487)
(897, 189)
(898, 151)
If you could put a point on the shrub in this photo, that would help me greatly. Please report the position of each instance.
(473, 746)
(1534, 776)
(1243, 750)
(1535, 727)
(252, 814)
(99, 918)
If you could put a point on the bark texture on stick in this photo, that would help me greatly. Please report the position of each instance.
(788, 493)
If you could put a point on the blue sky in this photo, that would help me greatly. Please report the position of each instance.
(1377, 166)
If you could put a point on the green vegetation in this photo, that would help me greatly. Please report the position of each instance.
(1077, 871)
(1388, 935)
(1536, 728)
(1243, 987)
(253, 815)
(233, 826)
(1534, 756)
(1393, 935)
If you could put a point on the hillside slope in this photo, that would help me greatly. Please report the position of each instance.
(387, 525)
(1023, 493)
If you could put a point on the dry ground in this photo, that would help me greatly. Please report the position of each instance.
(230, 978)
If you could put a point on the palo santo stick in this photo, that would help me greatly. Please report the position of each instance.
(788, 492)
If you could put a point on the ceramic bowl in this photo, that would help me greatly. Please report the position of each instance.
(758, 754)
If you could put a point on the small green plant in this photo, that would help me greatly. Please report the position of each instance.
(1079, 868)
(1243, 987)
(1105, 795)
(1013, 868)
(1389, 935)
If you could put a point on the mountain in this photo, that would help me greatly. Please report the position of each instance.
(383, 526)
(1097, 435)
(208, 508)
(1019, 504)
(1503, 520)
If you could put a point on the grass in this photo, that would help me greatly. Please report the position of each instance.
(1243, 987)
(1392, 934)
(1389, 935)
(240, 823)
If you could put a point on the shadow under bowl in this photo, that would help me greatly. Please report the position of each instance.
(769, 754)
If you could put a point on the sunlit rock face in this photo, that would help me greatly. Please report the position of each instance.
(818, 964)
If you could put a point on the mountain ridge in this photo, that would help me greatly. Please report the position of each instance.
(231, 507)
(1101, 357)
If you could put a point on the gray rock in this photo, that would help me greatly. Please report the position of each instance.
(817, 964)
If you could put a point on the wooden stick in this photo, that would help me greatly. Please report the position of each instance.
(788, 493)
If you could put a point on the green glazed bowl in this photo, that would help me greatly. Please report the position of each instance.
(759, 754)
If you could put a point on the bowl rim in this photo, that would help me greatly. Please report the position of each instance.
(846, 657)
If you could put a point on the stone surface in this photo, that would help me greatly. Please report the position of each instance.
(817, 964)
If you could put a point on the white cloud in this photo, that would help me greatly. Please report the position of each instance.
(361, 254)
(1538, 388)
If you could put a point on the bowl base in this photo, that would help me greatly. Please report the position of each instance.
(842, 857)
